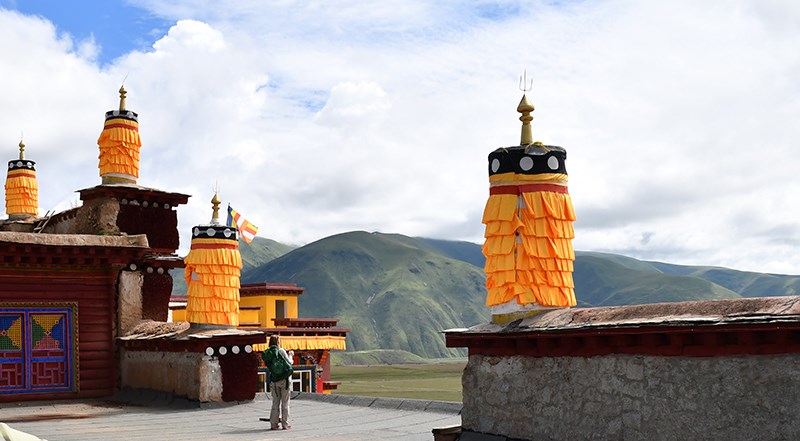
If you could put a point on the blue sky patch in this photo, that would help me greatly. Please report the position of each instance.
(117, 28)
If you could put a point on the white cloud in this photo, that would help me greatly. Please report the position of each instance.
(190, 38)
(354, 103)
(322, 117)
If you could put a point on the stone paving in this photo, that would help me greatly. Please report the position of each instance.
(314, 417)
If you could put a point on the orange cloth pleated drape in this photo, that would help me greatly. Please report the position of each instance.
(119, 147)
(528, 247)
(22, 192)
(307, 342)
(213, 267)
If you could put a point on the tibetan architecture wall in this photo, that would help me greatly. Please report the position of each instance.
(200, 363)
(268, 298)
(157, 290)
(57, 313)
(720, 370)
(630, 397)
(146, 370)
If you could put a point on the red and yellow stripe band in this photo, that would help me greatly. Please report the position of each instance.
(528, 188)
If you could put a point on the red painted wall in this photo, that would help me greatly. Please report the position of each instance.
(159, 224)
(93, 291)
(156, 291)
(239, 376)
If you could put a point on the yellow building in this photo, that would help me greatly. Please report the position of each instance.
(273, 309)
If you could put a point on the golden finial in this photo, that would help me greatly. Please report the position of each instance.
(525, 108)
(122, 93)
(215, 201)
(21, 149)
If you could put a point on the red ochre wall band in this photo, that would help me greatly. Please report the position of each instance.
(759, 339)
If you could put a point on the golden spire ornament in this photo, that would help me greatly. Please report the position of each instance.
(122, 94)
(525, 108)
(215, 207)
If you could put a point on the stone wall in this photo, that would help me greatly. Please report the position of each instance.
(186, 374)
(633, 397)
(129, 301)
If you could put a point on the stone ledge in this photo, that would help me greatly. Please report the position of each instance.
(86, 240)
(708, 312)
(448, 407)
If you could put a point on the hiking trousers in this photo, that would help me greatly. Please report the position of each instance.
(280, 404)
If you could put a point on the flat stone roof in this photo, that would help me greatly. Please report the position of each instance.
(150, 329)
(709, 312)
(132, 241)
(754, 326)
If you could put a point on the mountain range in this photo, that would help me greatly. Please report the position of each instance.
(398, 293)
(393, 291)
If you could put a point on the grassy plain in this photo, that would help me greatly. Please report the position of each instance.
(439, 381)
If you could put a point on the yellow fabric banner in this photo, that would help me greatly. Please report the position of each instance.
(528, 247)
(22, 193)
(119, 148)
(309, 342)
(213, 267)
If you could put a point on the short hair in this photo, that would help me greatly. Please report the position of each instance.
(274, 340)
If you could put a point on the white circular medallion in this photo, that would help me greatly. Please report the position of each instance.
(210, 232)
(223, 350)
(196, 231)
(526, 163)
(495, 165)
(248, 349)
(209, 351)
(235, 349)
(227, 232)
(552, 162)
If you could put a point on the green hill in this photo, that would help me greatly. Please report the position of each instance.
(394, 291)
(260, 251)
(375, 357)
(603, 281)
(465, 251)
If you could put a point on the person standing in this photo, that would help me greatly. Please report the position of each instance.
(279, 364)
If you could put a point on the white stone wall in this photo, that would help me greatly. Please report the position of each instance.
(629, 397)
(192, 375)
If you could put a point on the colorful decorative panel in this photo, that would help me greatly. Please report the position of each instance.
(37, 347)
(12, 366)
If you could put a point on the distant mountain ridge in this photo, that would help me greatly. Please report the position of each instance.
(398, 292)
(395, 292)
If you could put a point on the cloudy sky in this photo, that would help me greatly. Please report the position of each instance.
(320, 117)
